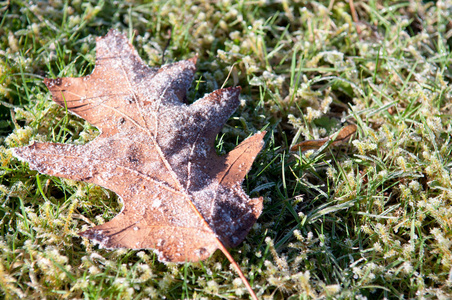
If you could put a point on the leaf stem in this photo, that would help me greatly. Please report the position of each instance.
(237, 268)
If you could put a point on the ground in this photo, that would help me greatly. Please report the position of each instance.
(370, 218)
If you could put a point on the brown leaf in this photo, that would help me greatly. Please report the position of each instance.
(179, 197)
(337, 139)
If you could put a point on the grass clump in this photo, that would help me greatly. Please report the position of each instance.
(370, 220)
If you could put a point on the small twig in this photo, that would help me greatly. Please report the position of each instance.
(336, 139)
(354, 15)
(229, 74)
(170, 32)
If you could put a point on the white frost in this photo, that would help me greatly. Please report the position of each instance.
(156, 203)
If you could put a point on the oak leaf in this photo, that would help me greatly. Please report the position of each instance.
(179, 197)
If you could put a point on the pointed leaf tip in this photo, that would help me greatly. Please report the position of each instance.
(240, 160)
(193, 59)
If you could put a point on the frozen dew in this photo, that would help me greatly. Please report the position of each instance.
(156, 203)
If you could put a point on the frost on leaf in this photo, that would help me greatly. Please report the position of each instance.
(155, 152)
